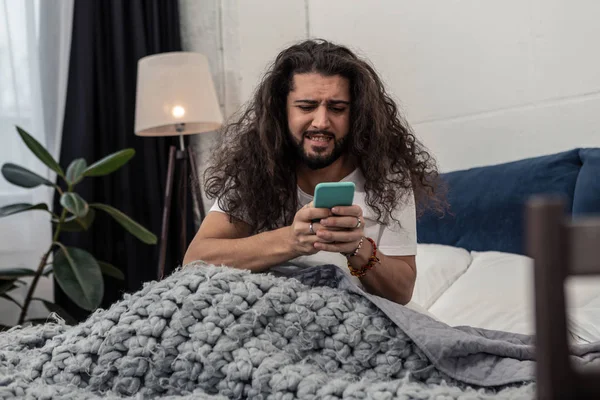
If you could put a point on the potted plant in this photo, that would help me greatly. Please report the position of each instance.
(77, 272)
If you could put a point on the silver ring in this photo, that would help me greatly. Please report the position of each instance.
(358, 223)
(310, 229)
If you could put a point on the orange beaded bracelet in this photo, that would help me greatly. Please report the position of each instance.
(373, 259)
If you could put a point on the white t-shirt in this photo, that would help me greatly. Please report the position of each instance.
(398, 238)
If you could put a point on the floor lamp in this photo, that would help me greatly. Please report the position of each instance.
(176, 96)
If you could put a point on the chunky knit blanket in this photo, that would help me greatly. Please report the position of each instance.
(208, 332)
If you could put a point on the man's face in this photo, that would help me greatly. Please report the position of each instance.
(318, 110)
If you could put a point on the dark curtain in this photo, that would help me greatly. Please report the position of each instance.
(109, 37)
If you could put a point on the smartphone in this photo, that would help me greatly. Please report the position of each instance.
(331, 194)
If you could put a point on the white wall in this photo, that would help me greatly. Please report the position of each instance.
(481, 82)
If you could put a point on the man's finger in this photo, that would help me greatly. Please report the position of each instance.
(310, 214)
(354, 210)
(308, 205)
(339, 236)
(303, 228)
(306, 228)
(312, 239)
(341, 222)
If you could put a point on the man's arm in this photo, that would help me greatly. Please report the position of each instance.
(393, 277)
(220, 241)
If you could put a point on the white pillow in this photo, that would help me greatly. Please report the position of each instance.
(438, 267)
(495, 293)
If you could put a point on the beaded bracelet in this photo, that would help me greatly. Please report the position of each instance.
(373, 259)
(355, 252)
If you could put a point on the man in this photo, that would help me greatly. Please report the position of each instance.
(320, 114)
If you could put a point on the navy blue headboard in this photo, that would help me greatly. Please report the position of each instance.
(487, 203)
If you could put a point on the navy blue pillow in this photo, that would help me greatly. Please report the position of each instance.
(487, 203)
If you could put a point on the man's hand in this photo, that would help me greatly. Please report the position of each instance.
(342, 231)
(301, 238)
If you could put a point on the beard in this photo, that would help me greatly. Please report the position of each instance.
(320, 161)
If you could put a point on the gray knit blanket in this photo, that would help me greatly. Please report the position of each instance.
(208, 332)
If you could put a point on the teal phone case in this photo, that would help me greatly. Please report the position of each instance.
(331, 194)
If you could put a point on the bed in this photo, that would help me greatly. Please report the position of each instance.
(473, 267)
(521, 254)
(214, 332)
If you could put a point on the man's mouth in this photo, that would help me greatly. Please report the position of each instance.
(319, 137)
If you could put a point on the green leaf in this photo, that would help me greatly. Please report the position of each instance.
(78, 275)
(21, 207)
(10, 273)
(110, 163)
(75, 171)
(11, 299)
(23, 177)
(7, 285)
(40, 152)
(50, 306)
(130, 225)
(74, 204)
(75, 224)
(111, 270)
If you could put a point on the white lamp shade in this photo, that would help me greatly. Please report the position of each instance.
(175, 88)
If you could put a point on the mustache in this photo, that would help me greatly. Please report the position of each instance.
(318, 132)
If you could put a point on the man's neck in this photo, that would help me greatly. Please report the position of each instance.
(308, 179)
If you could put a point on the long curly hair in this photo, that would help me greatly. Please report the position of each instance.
(253, 169)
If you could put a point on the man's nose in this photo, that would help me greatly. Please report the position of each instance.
(321, 118)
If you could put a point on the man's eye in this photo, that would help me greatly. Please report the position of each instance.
(306, 108)
(337, 109)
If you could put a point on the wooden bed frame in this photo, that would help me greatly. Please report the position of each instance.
(560, 246)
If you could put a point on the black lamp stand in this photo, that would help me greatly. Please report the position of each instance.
(180, 159)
